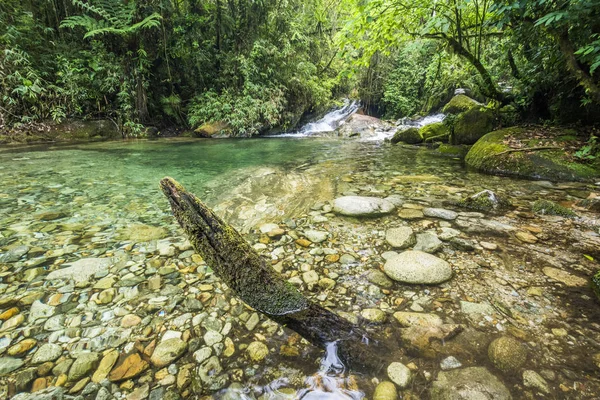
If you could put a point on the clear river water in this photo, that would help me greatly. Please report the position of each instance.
(516, 274)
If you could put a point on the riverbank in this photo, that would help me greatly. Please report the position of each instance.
(102, 295)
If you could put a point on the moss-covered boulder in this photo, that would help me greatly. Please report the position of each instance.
(471, 125)
(596, 284)
(450, 150)
(460, 103)
(213, 129)
(410, 136)
(492, 154)
(547, 207)
(438, 132)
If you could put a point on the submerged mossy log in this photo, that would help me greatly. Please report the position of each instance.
(261, 287)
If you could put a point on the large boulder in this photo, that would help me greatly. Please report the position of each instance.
(213, 130)
(471, 125)
(409, 136)
(364, 126)
(460, 103)
(438, 132)
(491, 155)
(467, 384)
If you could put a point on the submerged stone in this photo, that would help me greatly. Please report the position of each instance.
(507, 354)
(81, 270)
(468, 384)
(400, 238)
(358, 206)
(418, 267)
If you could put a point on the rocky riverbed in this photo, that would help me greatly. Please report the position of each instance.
(102, 298)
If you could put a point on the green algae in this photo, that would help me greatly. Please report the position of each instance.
(438, 131)
(491, 155)
(409, 136)
(595, 283)
(547, 207)
(460, 103)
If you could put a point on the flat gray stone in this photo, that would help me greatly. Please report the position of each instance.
(81, 270)
(400, 238)
(417, 267)
(440, 213)
(428, 242)
(47, 352)
(359, 206)
(316, 236)
(468, 384)
(9, 364)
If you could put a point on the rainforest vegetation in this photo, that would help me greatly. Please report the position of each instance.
(261, 65)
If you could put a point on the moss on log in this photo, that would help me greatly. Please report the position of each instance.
(261, 287)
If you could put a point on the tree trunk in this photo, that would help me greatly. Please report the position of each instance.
(237, 264)
(584, 78)
(489, 88)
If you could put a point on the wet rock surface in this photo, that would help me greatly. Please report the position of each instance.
(144, 317)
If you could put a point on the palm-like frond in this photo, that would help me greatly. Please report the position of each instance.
(114, 17)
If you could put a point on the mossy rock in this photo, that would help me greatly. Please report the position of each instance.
(547, 207)
(410, 136)
(472, 125)
(596, 284)
(460, 103)
(486, 201)
(438, 132)
(489, 155)
(450, 150)
(213, 129)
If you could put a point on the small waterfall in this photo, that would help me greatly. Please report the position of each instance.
(331, 120)
(421, 122)
(329, 123)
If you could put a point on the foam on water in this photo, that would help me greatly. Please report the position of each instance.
(329, 123)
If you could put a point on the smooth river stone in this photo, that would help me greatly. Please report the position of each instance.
(417, 267)
(480, 382)
(400, 238)
(359, 206)
(81, 270)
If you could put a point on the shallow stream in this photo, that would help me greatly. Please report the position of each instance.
(516, 274)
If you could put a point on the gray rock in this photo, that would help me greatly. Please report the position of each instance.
(378, 278)
(395, 200)
(417, 267)
(9, 364)
(47, 352)
(400, 238)
(440, 213)
(476, 308)
(358, 206)
(83, 365)
(252, 321)
(428, 242)
(399, 374)
(50, 393)
(81, 270)
(532, 379)
(39, 310)
(168, 351)
(316, 236)
(450, 363)
(14, 254)
(347, 259)
(468, 384)
(448, 233)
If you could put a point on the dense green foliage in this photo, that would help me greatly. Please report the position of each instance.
(261, 65)
(255, 65)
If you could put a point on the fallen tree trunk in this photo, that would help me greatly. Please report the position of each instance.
(261, 287)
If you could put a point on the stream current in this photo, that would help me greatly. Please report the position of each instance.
(64, 203)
